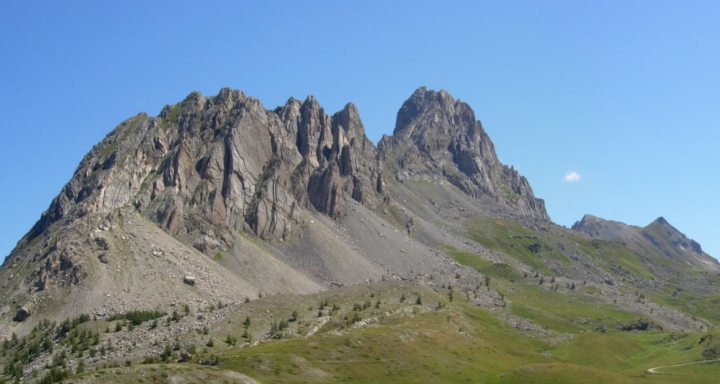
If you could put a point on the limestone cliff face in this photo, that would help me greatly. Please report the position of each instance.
(209, 166)
(438, 134)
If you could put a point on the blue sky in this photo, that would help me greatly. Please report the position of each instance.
(618, 97)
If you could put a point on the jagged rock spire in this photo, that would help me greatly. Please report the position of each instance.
(442, 135)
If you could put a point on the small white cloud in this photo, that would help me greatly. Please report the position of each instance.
(572, 177)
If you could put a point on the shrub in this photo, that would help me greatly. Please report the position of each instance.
(231, 340)
(138, 317)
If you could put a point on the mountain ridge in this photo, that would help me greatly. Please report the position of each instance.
(220, 202)
(659, 235)
(210, 171)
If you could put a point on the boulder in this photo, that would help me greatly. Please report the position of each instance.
(185, 357)
(22, 314)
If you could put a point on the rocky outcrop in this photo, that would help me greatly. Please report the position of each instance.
(437, 134)
(600, 228)
(22, 314)
(209, 166)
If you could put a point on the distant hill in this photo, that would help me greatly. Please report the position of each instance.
(657, 238)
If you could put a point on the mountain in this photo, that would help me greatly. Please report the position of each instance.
(209, 171)
(658, 238)
(218, 211)
(437, 135)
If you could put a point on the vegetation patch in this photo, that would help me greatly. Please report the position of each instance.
(138, 317)
(513, 239)
(486, 267)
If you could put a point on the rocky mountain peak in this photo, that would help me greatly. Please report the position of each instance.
(210, 168)
(661, 228)
(223, 163)
(660, 221)
(600, 228)
(441, 135)
(434, 114)
(658, 237)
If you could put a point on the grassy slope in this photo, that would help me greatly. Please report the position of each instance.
(458, 342)
(464, 344)
(454, 343)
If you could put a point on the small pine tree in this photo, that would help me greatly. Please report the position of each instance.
(418, 301)
(402, 298)
(246, 323)
(166, 353)
(210, 343)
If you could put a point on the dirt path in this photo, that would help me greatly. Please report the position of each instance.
(654, 370)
